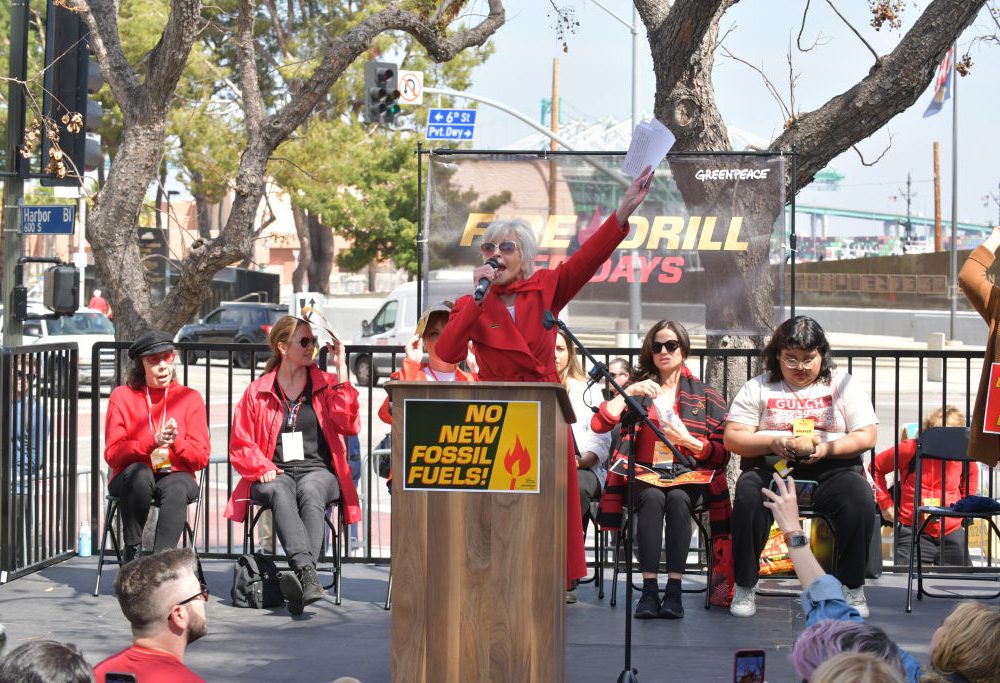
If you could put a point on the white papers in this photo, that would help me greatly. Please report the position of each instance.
(651, 141)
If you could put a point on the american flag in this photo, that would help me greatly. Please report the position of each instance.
(942, 85)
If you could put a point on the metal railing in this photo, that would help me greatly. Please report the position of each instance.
(38, 457)
(905, 385)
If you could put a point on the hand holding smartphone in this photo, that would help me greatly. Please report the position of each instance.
(748, 666)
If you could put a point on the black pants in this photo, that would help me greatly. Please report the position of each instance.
(590, 492)
(843, 496)
(298, 501)
(949, 550)
(138, 488)
(664, 510)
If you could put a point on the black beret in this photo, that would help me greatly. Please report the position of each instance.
(153, 341)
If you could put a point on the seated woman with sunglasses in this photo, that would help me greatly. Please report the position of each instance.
(691, 415)
(803, 391)
(506, 327)
(287, 443)
(156, 433)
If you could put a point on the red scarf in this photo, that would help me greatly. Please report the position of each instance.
(516, 287)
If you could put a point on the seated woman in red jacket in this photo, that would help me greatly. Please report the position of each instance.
(950, 548)
(287, 443)
(156, 436)
(692, 415)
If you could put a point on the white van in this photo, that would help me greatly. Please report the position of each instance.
(395, 321)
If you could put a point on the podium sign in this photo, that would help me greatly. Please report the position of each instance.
(471, 445)
(479, 574)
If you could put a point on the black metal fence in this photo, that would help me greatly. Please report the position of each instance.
(905, 386)
(38, 481)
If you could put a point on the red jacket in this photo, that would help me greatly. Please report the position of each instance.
(129, 439)
(257, 423)
(414, 372)
(931, 485)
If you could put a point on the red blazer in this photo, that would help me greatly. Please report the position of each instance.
(521, 349)
(932, 485)
(257, 423)
(129, 439)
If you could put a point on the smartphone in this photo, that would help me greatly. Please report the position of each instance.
(119, 678)
(748, 666)
(804, 489)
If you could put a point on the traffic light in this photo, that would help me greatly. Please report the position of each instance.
(381, 92)
(70, 76)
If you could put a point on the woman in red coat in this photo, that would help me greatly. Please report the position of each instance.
(506, 327)
(157, 438)
(287, 443)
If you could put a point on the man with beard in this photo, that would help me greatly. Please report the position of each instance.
(164, 602)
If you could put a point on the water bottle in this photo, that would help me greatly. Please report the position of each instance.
(83, 542)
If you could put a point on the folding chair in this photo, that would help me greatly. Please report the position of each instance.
(600, 550)
(336, 528)
(112, 529)
(698, 513)
(944, 445)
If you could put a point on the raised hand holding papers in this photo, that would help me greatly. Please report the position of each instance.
(651, 141)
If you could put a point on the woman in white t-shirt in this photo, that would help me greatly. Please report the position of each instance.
(801, 386)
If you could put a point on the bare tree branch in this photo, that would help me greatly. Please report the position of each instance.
(878, 158)
(854, 30)
(786, 113)
(247, 57)
(820, 38)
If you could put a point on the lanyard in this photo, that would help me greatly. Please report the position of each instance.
(292, 410)
(798, 398)
(149, 406)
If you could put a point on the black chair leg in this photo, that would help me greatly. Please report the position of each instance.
(388, 590)
(110, 510)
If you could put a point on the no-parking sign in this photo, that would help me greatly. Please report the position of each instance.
(411, 87)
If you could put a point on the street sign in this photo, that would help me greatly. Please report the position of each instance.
(48, 220)
(411, 87)
(451, 124)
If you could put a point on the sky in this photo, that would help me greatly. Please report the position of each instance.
(595, 82)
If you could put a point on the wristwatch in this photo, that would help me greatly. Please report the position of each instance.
(795, 539)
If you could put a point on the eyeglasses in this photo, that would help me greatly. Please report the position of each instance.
(670, 345)
(306, 342)
(794, 364)
(505, 247)
(164, 357)
(202, 594)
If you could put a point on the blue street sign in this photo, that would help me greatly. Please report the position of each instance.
(48, 220)
(451, 124)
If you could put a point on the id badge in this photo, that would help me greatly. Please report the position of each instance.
(662, 455)
(291, 446)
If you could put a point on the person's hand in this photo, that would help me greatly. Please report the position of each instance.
(415, 350)
(681, 437)
(889, 514)
(484, 271)
(167, 434)
(646, 388)
(822, 450)
(783, 447)
(993, 241)
(337, 358)
(634, 195)
(470, 359)
(783, 504)
(270, 476)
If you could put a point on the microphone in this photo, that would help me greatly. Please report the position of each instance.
(548, 320)
(484, 283)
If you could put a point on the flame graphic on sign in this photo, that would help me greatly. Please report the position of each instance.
(517, 461)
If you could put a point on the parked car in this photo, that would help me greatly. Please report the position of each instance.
(86, 327)
(241, 322)
(395, 322)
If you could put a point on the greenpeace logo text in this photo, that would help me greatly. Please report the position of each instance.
(732, 174)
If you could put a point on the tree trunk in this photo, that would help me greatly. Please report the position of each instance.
(201, 208)
(305, 250)
(321, 240)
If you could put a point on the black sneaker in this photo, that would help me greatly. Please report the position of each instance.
(291, 589)
(648, 606)
(670, 606)
(312, 590)
(131, 552)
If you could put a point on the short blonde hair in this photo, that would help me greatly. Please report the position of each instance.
(856, 667)
(950, 416)
(967, 644)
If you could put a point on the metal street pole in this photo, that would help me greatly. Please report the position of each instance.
(13, 186)
(954, 194)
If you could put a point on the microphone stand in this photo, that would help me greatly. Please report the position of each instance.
(630, 419)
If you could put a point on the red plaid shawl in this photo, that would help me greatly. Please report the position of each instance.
(704, 414)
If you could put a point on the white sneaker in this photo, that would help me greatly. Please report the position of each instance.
(856, 598)
(744, 602)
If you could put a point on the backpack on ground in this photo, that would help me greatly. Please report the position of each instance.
(255, 582)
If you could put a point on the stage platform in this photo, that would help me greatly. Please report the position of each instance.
(353, 639)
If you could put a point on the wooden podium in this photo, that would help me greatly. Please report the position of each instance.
(478, 569)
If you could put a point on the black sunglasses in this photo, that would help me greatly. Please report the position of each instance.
(505, 247)
(670, 345)
(306, 342)
(202, 595)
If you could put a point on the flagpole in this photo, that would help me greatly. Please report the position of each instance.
(954, 190)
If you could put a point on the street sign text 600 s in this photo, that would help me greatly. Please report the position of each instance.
(48, 220)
